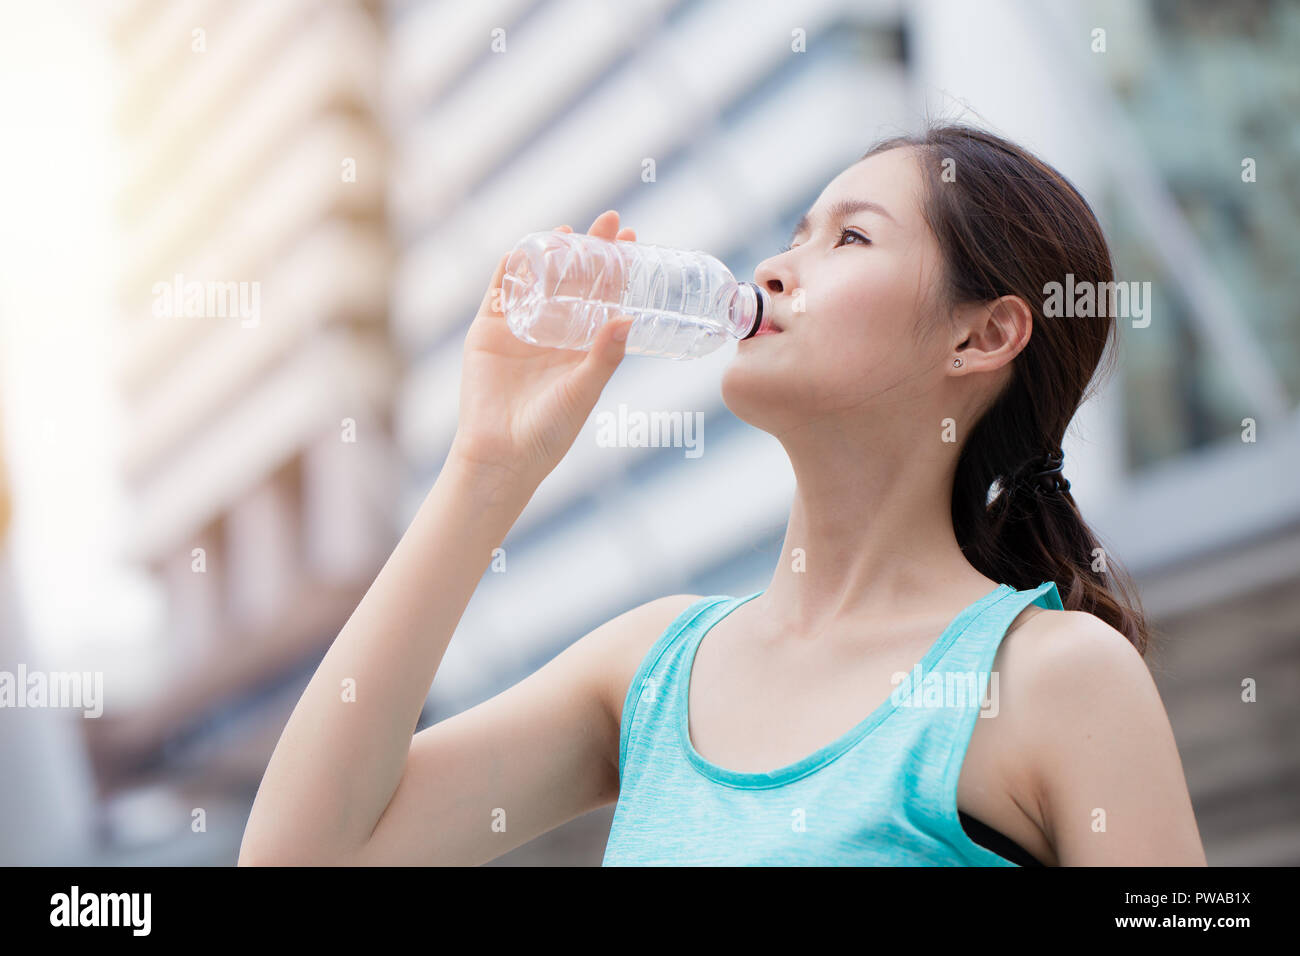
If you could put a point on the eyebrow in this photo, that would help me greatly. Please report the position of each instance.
(838, 210)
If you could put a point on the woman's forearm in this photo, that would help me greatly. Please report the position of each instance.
(342, 753)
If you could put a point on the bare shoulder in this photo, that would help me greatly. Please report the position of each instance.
(1040, 646)
(1096, 744)
(1075, 674)
(1067, 658)
(1050, 662)
(628, 639)
(610, 655)
(1071, 645)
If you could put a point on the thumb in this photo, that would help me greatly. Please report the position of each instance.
(607, 351)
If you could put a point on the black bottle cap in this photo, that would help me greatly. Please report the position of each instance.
(758, 319)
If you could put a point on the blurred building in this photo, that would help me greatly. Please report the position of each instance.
(47, 810)
(258, 456)
(1200, 110)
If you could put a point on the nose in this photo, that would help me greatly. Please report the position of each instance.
(773, 275)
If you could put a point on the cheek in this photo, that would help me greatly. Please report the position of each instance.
(861, 315)
(852, 341)
(860, 339)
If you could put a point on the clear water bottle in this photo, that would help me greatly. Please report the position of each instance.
(559, 288)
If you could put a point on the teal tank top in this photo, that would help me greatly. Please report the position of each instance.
(883, 794)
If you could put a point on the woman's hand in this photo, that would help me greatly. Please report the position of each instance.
(522, 405)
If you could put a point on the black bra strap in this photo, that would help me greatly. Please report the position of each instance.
(1002, 845)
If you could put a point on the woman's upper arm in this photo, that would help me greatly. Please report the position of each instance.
(540, 753)
(1110, 780)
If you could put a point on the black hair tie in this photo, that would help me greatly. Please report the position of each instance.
(1041, 475)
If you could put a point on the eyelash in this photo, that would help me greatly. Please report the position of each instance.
(843, 233)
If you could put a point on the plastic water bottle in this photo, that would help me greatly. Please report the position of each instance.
(559, 288)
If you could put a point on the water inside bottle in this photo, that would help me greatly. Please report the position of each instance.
(559, 290)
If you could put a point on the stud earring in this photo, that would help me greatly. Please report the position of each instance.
(956, 363)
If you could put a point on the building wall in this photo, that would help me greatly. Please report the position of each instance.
(259, 456)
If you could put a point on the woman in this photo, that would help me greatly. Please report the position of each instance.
(914, 370)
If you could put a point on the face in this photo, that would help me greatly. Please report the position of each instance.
(850, 297)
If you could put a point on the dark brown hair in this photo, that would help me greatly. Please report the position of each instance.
(1008, 224)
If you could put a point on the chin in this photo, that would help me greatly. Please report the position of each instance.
(752, 391)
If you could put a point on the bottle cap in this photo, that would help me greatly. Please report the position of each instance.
(763, 308)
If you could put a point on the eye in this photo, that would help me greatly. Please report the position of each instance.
(843, 233)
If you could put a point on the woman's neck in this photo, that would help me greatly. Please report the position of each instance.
(870, 537)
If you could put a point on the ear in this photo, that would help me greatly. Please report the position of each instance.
(991, 333)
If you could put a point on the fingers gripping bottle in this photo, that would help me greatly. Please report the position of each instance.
(559, 288)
